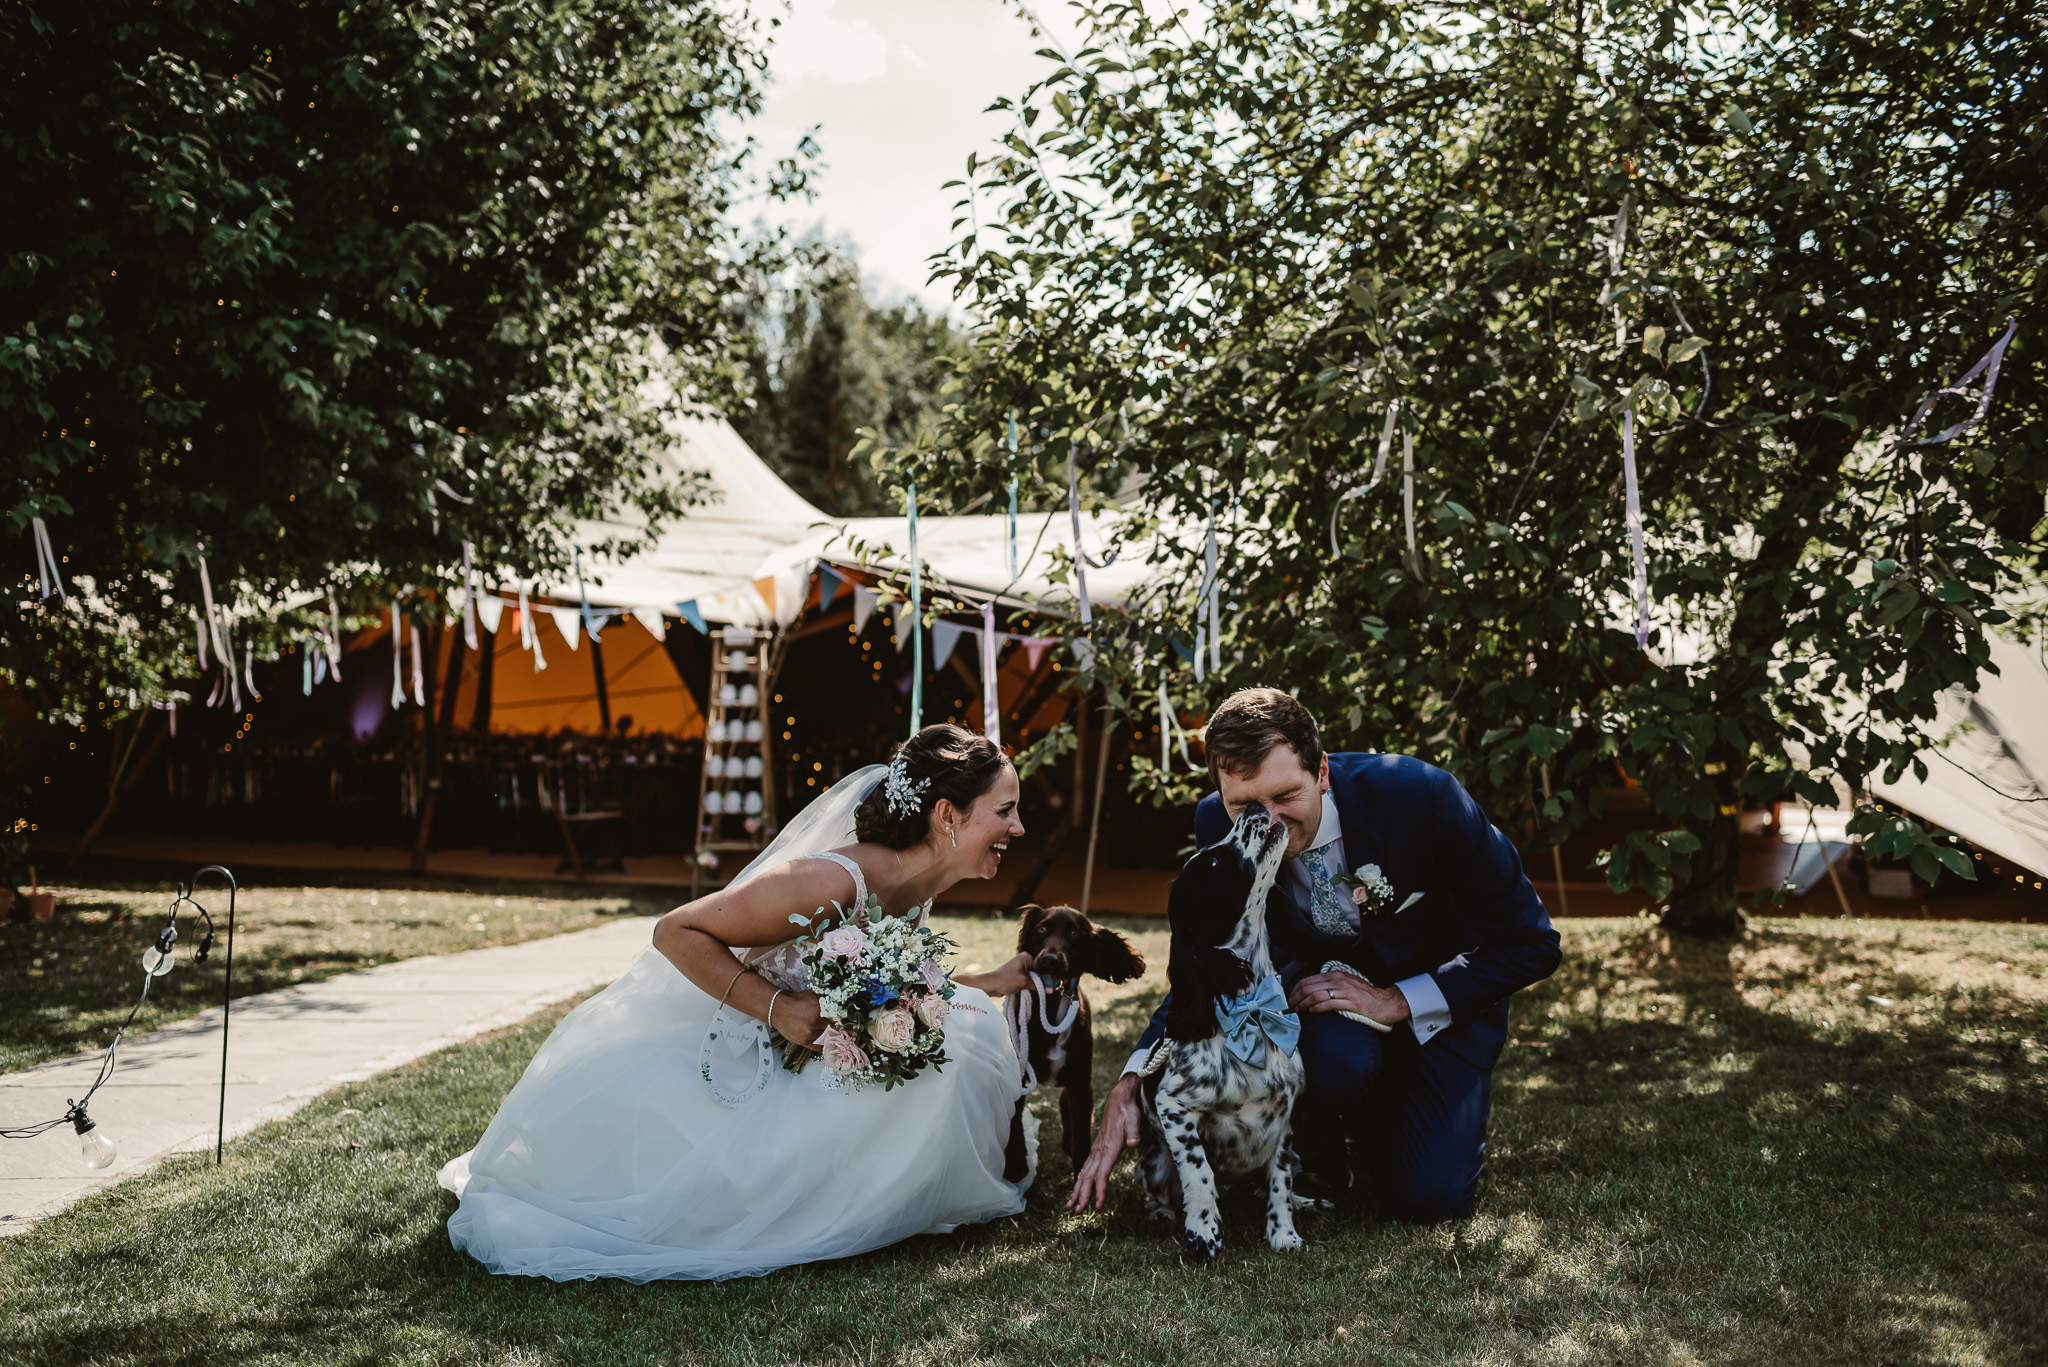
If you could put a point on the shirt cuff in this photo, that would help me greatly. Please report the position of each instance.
(1428, 1012)
(1137, 1063)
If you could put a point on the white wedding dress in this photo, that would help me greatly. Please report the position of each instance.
(612, 1157)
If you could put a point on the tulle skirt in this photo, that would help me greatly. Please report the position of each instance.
(611, 1158)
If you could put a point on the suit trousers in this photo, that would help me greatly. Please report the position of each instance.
(1414, 1115)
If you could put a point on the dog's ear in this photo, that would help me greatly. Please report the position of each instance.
(1109, 956)
(1197, 975)
(1028, 926)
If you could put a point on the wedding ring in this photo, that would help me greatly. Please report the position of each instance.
(1333, 993)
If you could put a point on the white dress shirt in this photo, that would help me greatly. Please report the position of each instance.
(1428, 1013)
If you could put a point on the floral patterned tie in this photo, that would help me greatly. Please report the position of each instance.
(1329, 905)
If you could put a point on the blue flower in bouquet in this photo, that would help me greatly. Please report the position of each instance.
(876, 994)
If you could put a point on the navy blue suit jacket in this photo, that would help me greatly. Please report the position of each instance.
(1477, 928)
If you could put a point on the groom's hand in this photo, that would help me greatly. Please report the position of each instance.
(1320, 992)
(1119, 1131)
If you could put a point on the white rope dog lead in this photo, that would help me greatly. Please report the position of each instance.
(1339, 966)
(1020, 1025)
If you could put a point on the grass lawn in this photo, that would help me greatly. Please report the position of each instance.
(66, 984)
(1826, 1143)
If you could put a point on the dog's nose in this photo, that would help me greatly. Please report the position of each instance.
(1050, 965)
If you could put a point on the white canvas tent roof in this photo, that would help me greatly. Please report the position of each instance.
(1989, 782)
(756, 528)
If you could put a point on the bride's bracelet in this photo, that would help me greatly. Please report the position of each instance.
(769, 1020)
(744, 970)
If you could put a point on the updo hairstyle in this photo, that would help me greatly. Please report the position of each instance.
(960, 767)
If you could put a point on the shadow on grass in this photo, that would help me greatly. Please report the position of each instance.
(1862, 1192)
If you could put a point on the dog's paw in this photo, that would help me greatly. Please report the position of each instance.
(1300, 1202)
(1285, 1241)
(1202, 1247)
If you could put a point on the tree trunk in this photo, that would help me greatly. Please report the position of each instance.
(1705, 904)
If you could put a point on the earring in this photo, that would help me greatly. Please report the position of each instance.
(950, 840)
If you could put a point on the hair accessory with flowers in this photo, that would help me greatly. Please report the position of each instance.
(1371, 893)
(904, 794)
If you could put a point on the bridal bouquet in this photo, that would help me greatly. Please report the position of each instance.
(882, 988)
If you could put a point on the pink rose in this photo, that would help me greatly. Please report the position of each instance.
(893, 1028)
(934, 976)
(1359, 896)
(845, 942)
(842, 1053)
(932, 1010)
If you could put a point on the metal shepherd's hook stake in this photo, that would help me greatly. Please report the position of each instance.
(227, 992)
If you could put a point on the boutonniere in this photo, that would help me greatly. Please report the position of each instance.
(1371, 893)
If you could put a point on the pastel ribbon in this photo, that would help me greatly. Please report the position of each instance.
(916, 615)
(991, 695)
(53, 581)
(1641, 581)
(1257, 1018)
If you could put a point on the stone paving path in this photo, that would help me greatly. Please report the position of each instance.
(284, 1049)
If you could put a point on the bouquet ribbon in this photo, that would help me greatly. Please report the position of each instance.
(1256, 1018)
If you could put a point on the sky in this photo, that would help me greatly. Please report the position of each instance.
(897, 89)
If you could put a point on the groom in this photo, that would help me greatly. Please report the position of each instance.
(1443, 937)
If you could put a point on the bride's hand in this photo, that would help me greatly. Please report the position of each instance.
(1013, 976)
(796, 1018)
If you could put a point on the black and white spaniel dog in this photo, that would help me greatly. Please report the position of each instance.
(1222, 1104)
(1057, 1044)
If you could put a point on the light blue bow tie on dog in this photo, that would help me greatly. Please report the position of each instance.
(1258, 1017)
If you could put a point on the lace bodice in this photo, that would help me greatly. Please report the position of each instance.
(782, 964)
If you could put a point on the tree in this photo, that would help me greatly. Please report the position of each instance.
(321, 292)
(827, 361)
(1754, 238)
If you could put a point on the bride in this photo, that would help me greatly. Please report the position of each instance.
(654, 1135)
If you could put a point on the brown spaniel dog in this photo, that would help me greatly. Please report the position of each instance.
(1058, 1048)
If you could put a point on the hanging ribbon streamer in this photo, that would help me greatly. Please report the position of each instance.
(227, 667)
(1215, 599)
(306, 653)
(397, 658)
(199, 625)
(319, 667)
(1992, 360)
(991, 695)
(53, 579)
(1379, 470)
(1207, 626)
(1165, 723)
(469, 594)
(1080, 556)
(1408, 498)
(916, 615)
(1013, 496)
(419, 675)
(529, 634)
(213, 616)
(333, 638)
(1617, 248)
(249, 673)
(1635, 530)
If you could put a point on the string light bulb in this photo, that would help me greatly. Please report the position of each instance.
(96, 1148)
(159, 958)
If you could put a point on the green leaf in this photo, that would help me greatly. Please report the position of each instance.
(1687, 349)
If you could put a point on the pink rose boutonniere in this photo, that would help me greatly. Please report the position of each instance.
(1371, 893)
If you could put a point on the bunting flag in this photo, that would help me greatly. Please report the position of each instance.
(1080, 556)
(529, 634)
(490, 611)
(397, 660)
(1379, 470)
(46, 562)
(1639, 573)
(945, 636)
(1035, 648)
(470, 589)
(903, 620)
(333, 637)
(863, 607)
(652, 620)
(766, 588)
(419, 675)
(569, 621)
(991, 694)
(692, 614)
(916, 615)
(829, 581)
